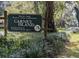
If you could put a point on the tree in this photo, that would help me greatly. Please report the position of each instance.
(49, 16)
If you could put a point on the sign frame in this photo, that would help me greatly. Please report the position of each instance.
(32, 18)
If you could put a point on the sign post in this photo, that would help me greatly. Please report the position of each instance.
(5, 23)
(45, 28)
(24, 22)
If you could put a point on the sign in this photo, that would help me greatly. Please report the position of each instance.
(24, 22)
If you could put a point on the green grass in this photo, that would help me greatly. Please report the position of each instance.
(30, 45)
(33, 43)
(17, 41)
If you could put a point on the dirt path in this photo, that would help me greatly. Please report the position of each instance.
(72, 50)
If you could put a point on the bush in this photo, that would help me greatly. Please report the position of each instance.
(54, 45)
(51, 47)
(33, 47)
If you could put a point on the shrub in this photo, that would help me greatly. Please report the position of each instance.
(33, 47)
(55, 44)
(50, 47)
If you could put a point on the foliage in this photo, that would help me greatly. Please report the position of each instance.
(55, 44)
(25, 7)
(58, 11)
(31, 46)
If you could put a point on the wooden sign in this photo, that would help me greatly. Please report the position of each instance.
(24, 22)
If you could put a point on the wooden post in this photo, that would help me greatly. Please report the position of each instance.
(45, 28)
(5, 23)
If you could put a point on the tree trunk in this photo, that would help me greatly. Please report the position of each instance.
(49, 16)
